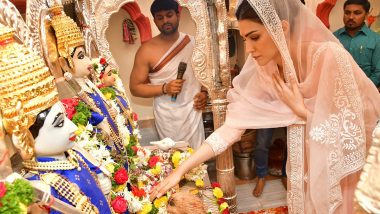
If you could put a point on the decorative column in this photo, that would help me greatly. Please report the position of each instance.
(218, 92)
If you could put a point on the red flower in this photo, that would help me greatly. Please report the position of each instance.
(121, 176)
(153, 161)
(370, 20)
(3, 189)
(102, 61)
(215, 184)
(226, 211)
(135, 117)
(221, 201)
(119, 204)
(138, 192)
(70, 104)
(135, 149)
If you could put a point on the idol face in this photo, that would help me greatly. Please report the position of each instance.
(108, 78)
(54, 136)
(82, 63)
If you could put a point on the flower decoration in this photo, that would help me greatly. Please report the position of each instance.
(16, 196)
(199, 183)
(102, 61)
(121, 176)
(218, 199)
(119, 204)
(217, 192)
(153, 161)
(108, 92)
(77, 111)
(139, 193)
(3, 189)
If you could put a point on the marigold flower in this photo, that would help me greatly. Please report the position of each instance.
(218, 193)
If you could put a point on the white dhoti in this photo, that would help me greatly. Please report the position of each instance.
(178, 119)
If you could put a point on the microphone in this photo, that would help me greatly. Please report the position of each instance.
(181, 70)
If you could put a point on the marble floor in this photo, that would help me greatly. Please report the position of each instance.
(274, 195)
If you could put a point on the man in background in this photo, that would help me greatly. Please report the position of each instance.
(362, 43)
(154, 75)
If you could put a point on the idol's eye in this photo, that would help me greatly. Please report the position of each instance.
(81, 55)
(59, 120)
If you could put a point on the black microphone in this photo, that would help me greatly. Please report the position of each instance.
(181, 70)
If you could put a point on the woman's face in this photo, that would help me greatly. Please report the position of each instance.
(258, 42)
(54, 136)
(82, 63)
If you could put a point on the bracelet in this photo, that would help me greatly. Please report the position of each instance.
(163, 89)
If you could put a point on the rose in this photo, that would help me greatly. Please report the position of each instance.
(121, 176)
(102, 61)
(3, 189)
(215, 184)
(119, 204)
(135, 149)
(138, 192)
(70, 104)
(153, 161)
(221, 201)
(226, 211)
(135, 117)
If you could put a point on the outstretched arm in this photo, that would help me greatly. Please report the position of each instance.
(219, 141)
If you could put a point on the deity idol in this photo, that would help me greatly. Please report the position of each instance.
(36, 120)
(77, 65)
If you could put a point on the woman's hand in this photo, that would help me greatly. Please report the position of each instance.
(169, 182)
(291, 96)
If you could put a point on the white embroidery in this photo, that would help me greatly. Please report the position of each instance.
(343, 132)
(296, 193)
(217, 143)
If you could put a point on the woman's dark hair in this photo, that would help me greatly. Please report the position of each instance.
(245, 11)
(365, 3)
(40, 120)
(160, 5)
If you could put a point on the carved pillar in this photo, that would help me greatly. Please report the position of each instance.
(218, 93)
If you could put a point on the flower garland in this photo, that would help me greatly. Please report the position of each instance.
(91, 142)
(77, 111)
(148, 168)
(217, 193)
(15, 197)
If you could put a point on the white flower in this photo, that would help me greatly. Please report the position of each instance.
(134, 204)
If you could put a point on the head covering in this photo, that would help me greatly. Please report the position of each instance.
(67, 33)
(23, 77)
(343, 102)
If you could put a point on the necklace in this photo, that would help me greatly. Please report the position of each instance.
(70, 163)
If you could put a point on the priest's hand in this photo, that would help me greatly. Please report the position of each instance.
(200, 100)
(169, 182)
(174, 87)
(290, 95)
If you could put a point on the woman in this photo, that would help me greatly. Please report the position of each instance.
(326, 90)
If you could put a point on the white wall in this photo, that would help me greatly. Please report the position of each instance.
(124, 53)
